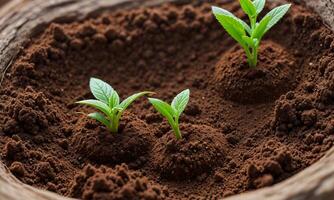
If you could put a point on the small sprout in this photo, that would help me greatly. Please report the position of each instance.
(249, 37)
(108, 103)
(173, 112)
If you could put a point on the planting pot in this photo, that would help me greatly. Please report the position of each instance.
(22, 20)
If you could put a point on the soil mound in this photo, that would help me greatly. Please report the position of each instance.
(197, 153)
(273, 76)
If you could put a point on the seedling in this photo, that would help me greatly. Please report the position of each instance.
(108, 103)
(172, 112)
(249, 37)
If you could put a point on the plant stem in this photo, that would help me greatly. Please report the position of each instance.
(253, 22)
(176, 129)
(250, 57)
(251, 52)
(177, 132)
(255, 56)
(114, 125)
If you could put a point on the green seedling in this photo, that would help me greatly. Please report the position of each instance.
(249, 37)
(108, 103)
(173, 112)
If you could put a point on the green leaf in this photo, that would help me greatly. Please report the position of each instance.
(100, 89)
(249, 41)
(246, 27)
(98, 105)
(276, 15)
(163, 108)
(259, 5)
(99, 117)
(181, 100)
(260, 29)
(233, 27)
(128, 101)
(114, 99)
(248, 7)
(219, 11)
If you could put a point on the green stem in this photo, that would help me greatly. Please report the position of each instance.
(255, 52)
(176, 129)
(177, 132)
(253, 22)
(114, 126)
(114, 123)
(249, 57)
(252, 53)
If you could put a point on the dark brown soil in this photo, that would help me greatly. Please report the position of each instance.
(3, 2)
(243, 129)
(274, 75)
(118, 183)
(131, 145)
(201, 149)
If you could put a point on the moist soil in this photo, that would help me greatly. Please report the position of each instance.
(3, 2)
(243, 128)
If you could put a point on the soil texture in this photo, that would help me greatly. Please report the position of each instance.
(243, 129)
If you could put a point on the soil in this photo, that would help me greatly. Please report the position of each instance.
(243, 129)
(3, 2)
(273, 76)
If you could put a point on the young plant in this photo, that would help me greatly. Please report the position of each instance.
(108, 103)
(172, 112)
(249, 37)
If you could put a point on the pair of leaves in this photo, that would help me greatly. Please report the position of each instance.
(237, 28)
(249, 37)
(176, 108)
(108, 102)
(106, 94)
(252, 8)
(173, 111)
